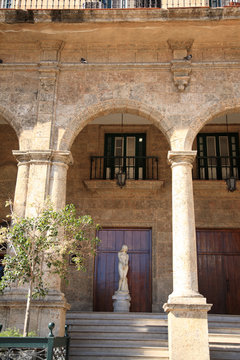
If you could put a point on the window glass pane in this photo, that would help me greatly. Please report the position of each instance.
(211, 146)
(131, 146)
(224, 153)
(130, 151)
(223, 146)
(118, 151)
(211, 151)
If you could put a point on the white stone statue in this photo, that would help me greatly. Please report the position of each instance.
(123, 259)
(121, 297)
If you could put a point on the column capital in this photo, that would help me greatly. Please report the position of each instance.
(21, 156)
(181, 157)
(63, 157)
(43, 156)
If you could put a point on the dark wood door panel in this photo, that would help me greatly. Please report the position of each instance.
(219, 269)
(139, 273)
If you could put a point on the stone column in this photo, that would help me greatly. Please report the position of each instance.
(58, 177)
(40, 174)
(186, 308)
(21, 188)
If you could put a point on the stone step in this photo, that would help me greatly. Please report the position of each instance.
(119, 343)
(224, 318)
(99, 335)
(99, 350)
(224, 338)
(132, 336)
(118, 329)
(87, 356)
(112, 315)
(224, 352)
(92, 322)
(113, 319)
(224, 324)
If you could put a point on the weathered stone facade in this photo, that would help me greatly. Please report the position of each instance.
(135, 65)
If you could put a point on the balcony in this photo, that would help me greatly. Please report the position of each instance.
(217, 167)
(111, 4)
(135, 167)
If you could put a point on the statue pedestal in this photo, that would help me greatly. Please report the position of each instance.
(121, 301)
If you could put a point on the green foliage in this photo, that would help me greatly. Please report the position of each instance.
(16, 333)
(46, 241)
(10, 333)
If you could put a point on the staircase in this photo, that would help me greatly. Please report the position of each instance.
(117, 336)
(224, 337)
(135, 336)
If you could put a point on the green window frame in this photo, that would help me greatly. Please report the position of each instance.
(126, 152)
(218, 155)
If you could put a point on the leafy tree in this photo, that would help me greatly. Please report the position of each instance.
(42, 242)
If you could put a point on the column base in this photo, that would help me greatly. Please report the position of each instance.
(188, 329)
(121, 301)
(52, 308)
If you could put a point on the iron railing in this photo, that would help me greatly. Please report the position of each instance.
(111, 4)
(218, 167)
(135, 167)
(35, 348)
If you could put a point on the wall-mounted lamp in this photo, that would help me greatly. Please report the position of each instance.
(121, 178)
(231, 183)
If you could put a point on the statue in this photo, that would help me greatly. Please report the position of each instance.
(123, 259)
(121, 298)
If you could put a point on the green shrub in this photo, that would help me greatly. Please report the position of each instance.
(16, 333)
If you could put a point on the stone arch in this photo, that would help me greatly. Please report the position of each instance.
(83, 118)
(7, 115)
(209, 114)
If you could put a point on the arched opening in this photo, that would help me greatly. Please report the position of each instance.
(217, 212)
(8, 174)
(138, 214)
(8, 165)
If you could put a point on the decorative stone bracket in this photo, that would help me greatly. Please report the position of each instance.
(181, 67)
(181, 74)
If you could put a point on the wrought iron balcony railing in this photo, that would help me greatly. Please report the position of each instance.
(218, 167)
(111, 4)
(135, 167)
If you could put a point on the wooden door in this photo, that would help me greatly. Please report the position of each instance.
(219, 269)
(139, 274)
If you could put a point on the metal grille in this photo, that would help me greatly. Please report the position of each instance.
(59, 353)
(24, 354)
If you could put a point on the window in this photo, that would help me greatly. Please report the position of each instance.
(218, 156)
(126, 152)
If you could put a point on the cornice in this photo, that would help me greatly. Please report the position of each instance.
(43, 157)
(200, 66)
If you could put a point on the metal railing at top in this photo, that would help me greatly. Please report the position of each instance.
(35, 348)
(135, 167)
(218, 167)
(111, 4)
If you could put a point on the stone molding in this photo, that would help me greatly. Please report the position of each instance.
(176, 158)
(180, 44)
(168, 307)
(43, 157)
(181, 70)
(180, 67)
(50, 50)
(143, 185)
